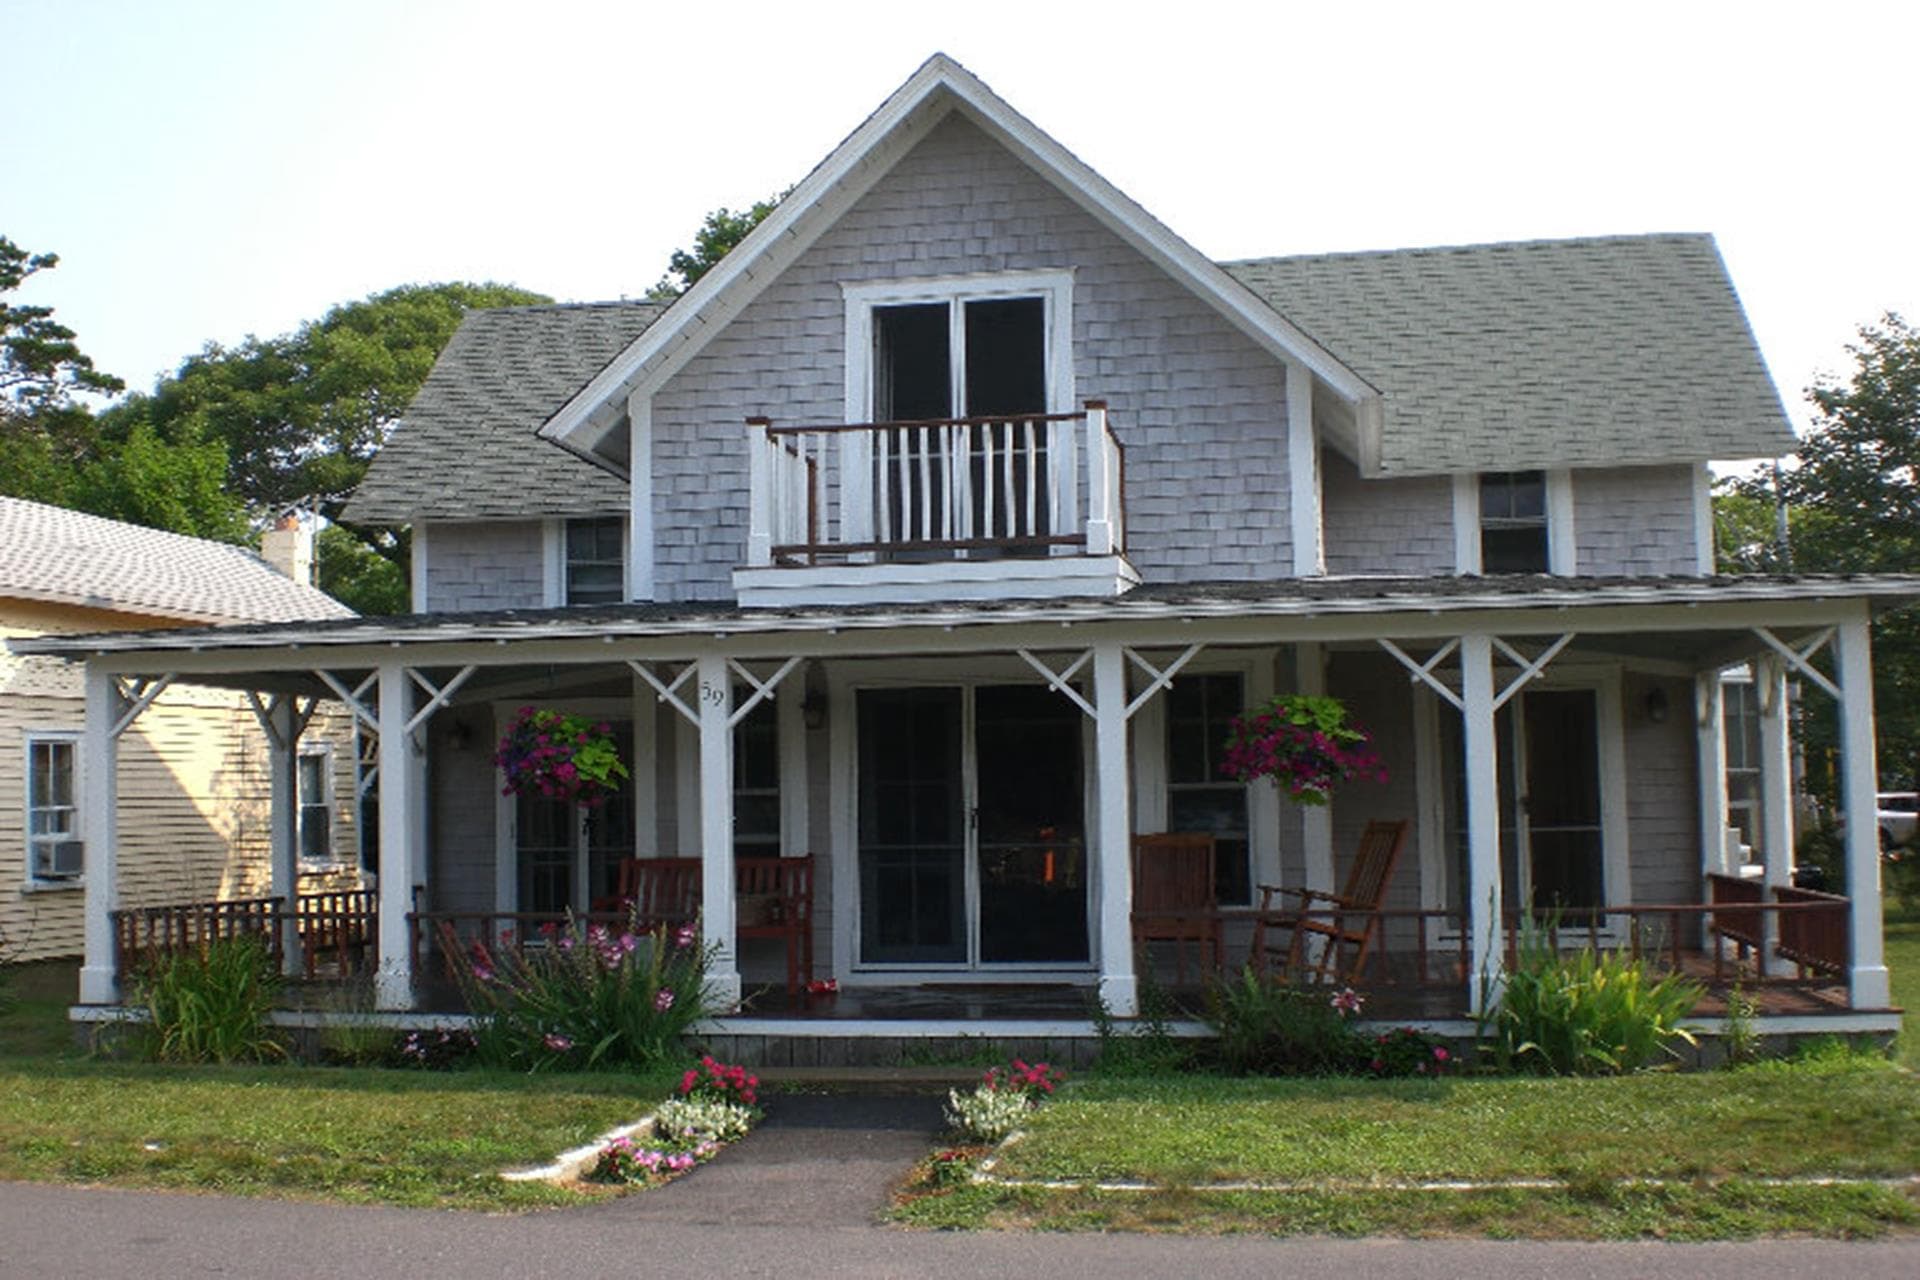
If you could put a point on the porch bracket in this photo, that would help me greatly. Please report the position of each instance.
(263, 712)
(354, 698)
(1799, 658)
(436, 697)
(761, 690)
(670, 693)
(1423, 672)
(138, 697)
(1530, 669)
(1159, 679)
(1058, 681)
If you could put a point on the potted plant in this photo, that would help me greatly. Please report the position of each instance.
(1304, 743)
(556, 756)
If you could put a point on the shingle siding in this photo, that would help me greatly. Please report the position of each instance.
(1385, 526)
(1663, 810)
(1199, 407)
(1634, 520)
(479, 565)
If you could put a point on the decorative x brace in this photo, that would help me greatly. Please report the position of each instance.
(263, 712)
(1529, 669)
(1061, 681)
(1157, 679)
(437, 696)
(762, 690)
(355, 699)
(1797, 657)
(1423, 672)
(669, 693)
(138, 695)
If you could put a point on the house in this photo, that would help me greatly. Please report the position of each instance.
(940, 530)
(195, 769)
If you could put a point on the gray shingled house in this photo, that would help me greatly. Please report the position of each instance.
(939, 531)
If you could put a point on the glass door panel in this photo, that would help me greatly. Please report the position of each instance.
(912, 828)
(1030, 833)
(547, 833)
(1564, 830)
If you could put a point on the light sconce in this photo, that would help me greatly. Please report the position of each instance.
(813, 711)
(460, 735)
(1657, 705)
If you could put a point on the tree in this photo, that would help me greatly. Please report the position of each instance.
(1852, 497)
(718, 234)
(41, 365)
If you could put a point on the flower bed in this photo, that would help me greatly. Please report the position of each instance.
(717, 1104)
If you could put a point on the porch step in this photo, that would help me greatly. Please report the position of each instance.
(872, 1080)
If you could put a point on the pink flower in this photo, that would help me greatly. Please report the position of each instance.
(557, 1042)
(1440, 1054)
(1346, 1002)
(684, 936)
(663, 1000)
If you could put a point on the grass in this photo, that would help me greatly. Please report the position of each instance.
(1715, 1136)
(1903, 959)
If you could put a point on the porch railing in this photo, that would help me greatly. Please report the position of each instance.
(341, 925)
(952, 488)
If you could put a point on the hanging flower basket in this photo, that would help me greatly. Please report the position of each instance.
(559, 757)
(1303, 743)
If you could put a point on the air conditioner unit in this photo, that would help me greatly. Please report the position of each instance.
(66, 860)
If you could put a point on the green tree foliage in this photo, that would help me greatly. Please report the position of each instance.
(1853, 506)
(718, 234)
(40, 363)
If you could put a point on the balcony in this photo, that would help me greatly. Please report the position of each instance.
(942, 509)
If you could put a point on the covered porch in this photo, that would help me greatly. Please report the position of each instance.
(905, 749)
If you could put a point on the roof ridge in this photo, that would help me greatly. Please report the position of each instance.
(605, 303)
(1552, 242)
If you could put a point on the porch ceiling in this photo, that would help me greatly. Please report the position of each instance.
(1677, 619)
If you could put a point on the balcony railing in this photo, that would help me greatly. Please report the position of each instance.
(948, 488)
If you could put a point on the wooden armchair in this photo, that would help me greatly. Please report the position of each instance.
(660, 891)
(773, 899)
(1173, 898)
(1366, 888)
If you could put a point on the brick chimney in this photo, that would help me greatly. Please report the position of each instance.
(288, 547)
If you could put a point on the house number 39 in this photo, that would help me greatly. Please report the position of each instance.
(712, 694)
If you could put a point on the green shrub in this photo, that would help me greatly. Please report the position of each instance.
(211, 1003)
(585, 997)
(1273, 1028)
(1148, 1049)
(1582, 1013)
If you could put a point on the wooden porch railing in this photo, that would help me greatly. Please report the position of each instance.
(954, 487)
(342, 924)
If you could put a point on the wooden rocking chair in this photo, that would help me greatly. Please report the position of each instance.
(1173, 898)
(1365, 889)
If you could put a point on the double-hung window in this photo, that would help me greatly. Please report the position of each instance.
(756, 780)
(1200, 710)
(1513, 522)
(596, 562)
(314, 782)
(54, 850)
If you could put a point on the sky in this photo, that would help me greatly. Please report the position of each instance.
(210, 170)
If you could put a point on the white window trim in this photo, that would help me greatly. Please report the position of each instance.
(1563, 546)
(553, 556)
(323, 751)
(417, 567)
(1705, 559)
(1055, 288)
(33, 882)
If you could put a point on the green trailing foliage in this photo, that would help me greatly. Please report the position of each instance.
(210, 1004)
(1585, 1012)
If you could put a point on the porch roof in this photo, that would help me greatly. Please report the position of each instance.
(1300, 598)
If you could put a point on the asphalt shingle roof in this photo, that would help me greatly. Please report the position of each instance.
(49, 553)
(466, 449)
(1552, 353)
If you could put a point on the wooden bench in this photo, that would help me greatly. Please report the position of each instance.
(1814, 939)
(773, 898)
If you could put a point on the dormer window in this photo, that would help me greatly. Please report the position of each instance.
(1513, 522)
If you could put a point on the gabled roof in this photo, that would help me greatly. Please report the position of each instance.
(466, 448)
(587, 423)
(1555, 353)
(66, 557)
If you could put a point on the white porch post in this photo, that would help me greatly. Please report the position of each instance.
(1859, 779)
(716, 828)
(1101, 498)
(1113, 853)
(645, 767)
(100, 799)
(283, 748)
(1776, 794)
(1316, 820)
(1485, 909)
(1710, 755)
(394, 983)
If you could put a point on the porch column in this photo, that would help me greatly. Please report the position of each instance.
(393, 987)
(1485, 914)
(716, 829)
(1859, 780)
(100, 802)
(1776, 795)
(283, 754)
(1316, 820)
(1113, 827)
(1710, 756)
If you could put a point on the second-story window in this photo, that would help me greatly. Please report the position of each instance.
(596, 560)
(1513, 522)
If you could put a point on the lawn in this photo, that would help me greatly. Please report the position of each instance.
(419, 1138)
(1714, 1140)
(1903, 958)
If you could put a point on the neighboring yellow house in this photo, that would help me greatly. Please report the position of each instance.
(195, 778)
